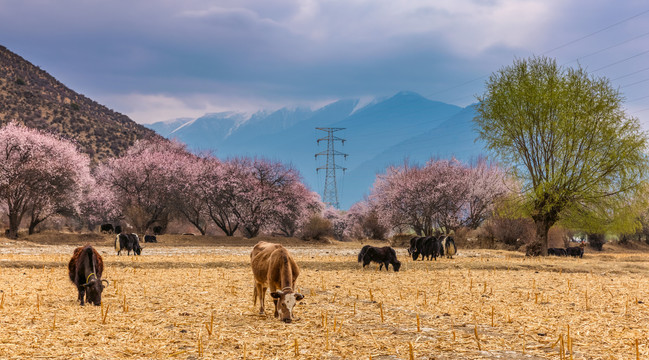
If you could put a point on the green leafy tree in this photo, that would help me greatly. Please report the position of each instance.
(564, 133)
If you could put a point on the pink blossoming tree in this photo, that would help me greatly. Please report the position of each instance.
(40, 175)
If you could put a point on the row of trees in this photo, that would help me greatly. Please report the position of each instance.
(155, 181)
(42, 175)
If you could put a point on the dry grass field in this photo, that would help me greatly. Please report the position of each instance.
(179, 301)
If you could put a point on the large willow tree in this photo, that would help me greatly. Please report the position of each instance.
(565, 135)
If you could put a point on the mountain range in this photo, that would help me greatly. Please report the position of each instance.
(403, 127)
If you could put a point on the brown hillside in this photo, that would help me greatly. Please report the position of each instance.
(33, 97)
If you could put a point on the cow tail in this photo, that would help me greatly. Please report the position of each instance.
(361, 254)
(254, 295)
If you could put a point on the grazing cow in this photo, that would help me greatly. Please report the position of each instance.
(150, 239)
(557, 252)
(381, 255)
(107, 228)
(413, 243)
(157, 230)
(130, 242)
(448, 246)
(419, 246)
(85, 269)
(431, 248)
(118, 229)
(575, 251)
(273, 267)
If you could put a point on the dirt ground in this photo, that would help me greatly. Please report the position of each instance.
(190, 297)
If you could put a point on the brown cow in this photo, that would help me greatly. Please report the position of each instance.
(85, 269)
(273, 266)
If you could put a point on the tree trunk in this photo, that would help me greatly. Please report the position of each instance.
(542, 229)
(14, 223)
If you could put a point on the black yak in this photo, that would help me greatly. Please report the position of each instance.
(382, 255)
(576, 251)
(107, 228)
(557, 252)
(85, 269)
(419, 247)
(130, 242)
(431, 248)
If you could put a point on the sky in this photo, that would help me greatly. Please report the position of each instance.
(160, 60)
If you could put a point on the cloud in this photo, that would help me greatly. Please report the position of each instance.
(201, 55)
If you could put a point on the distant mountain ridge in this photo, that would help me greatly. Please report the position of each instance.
(378, 133)
(33, 97)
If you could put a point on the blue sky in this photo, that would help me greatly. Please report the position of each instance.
(158, 60)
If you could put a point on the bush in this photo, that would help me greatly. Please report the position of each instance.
(533, 248)
(369, 227)
(317, 228)
(509, 231)
(596, 241)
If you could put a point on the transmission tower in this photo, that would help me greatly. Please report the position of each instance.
(330, 193)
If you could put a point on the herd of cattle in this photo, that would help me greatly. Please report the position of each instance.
(273, 267)
(574, 251)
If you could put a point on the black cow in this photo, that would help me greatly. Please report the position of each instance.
(130, 242)
(419, 246)
(85, 269)
(118, 229)
(150, 239)
(557, 252)
(382, 255)
(576, 251)
(157, 230)
(431, 248)
(413, 242)
(107, 228)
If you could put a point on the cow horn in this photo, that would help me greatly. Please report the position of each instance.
(107, 283)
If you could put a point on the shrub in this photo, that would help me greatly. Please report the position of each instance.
(510, 231)
(317, 228)
(596, 241)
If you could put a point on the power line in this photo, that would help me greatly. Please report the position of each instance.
(629, 74)
(621, 61)
(595, 33)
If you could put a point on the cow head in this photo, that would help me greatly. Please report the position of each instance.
(285, 303)
(396, 265)
(94, 288)
(137, 249)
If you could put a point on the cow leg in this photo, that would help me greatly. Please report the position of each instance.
(387, 263)
(82, 293)
(275, 301)
(260, 292)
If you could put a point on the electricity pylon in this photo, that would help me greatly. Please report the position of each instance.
(330, 193)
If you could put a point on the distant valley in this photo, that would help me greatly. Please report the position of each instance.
(382, 132)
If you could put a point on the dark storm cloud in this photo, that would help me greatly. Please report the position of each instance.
(170, 58)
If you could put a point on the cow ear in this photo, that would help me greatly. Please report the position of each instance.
(276, 294)
(298, 296)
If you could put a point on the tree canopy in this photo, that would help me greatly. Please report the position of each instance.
(564, 133)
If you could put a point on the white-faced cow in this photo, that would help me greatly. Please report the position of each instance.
(274, 268)
(85, 269)
(128, 242)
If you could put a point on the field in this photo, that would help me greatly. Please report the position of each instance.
(192, 298)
